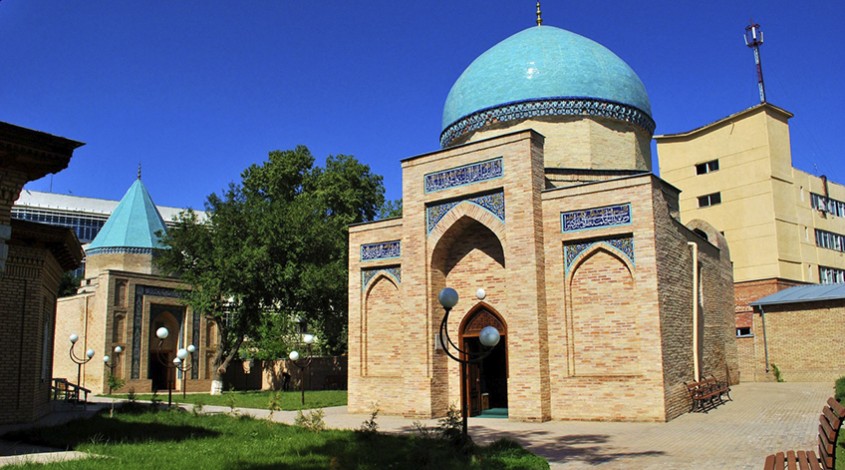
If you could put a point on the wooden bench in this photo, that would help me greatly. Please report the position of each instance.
(707, 393)
(829, 423)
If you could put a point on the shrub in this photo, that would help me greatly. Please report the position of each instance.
(776, 371)
(312, 421)
(840, 389)
(370, 426)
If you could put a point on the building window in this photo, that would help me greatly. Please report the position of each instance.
(831, 275)
(707, 167)
(709, 200)
(744, 332)
(830, 240)
(827, 205)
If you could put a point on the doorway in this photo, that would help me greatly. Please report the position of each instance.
(486, 381)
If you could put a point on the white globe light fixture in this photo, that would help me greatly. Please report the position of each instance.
(118, 350)
(106, 359)
(294, 356)
(162, 333)
(177, 361)
(307, 338)
(89, 353)
(489, 336)
(448, 298)
(192, 349)
(181, 354)
(480, 294)
(74, 338)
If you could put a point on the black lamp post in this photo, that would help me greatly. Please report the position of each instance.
(112, 364)
(178, 363)
(79, 360)
(308, 339)
(489, 338)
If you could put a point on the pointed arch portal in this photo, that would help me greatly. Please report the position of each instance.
(486, 382)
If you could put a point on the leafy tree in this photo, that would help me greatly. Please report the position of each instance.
(390, 209)
(274, 247)
(68, 284)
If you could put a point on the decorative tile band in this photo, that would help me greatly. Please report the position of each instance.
(546, 107)
(367, 275)
(107, 250)
(381, 250)
(596, 217)
(625, 245)
(464, 175)
(493, 202)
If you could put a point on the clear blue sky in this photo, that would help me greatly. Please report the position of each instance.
(198, 90)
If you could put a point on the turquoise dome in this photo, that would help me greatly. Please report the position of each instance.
(132, 227)
(556, 71)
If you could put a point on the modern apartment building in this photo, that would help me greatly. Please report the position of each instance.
(784, 226)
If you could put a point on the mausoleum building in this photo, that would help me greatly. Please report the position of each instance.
(542, 212)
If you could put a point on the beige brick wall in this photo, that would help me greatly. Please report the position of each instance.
(804, 341)
(27, 312)
(103, 315)
(609, 339)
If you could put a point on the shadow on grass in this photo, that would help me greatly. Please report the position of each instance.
(102, 429)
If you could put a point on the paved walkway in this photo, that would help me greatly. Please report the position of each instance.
(763, 418)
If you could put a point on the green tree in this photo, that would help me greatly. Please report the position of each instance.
(274, 247)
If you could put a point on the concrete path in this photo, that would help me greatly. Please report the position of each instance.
(762, 419)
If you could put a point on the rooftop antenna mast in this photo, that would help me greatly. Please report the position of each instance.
(754, 39)
(539, 14)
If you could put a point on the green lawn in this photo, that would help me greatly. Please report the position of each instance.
(143, 439)
(255, 399)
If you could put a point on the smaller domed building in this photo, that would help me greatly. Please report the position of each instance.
(542, 212)
(123, 300)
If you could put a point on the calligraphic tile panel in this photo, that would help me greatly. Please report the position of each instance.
(381, 250)
(596, 217)
(464, 175)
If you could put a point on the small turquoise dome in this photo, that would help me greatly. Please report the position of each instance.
(557, 71)
(132, 227)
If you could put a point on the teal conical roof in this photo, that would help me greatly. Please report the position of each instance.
(132, 226)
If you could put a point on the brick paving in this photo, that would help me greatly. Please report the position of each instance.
(763, 418)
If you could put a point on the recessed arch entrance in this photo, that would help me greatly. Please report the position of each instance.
(170, 318)
(486, 381)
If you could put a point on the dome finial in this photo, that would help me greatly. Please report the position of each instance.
(139, 170)
(539, 14)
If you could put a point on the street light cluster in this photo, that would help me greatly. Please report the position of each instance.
(489, 337)
(179, 362)
(308, 340)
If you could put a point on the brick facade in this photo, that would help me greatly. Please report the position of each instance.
(121, 308)
(597, 321)
(804, 341)
(32, 258)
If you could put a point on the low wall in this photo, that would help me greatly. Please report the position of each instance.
(324, 373)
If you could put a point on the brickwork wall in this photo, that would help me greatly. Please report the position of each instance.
(583, 142)
(804, 341)
(559, 328)
(604, 396)
(751, 353)
(103, 316)
(382, 316)
(716, 346)
(27, 312)
(363, 390)
(605, 333)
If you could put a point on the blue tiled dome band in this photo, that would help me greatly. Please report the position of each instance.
(546, 107)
